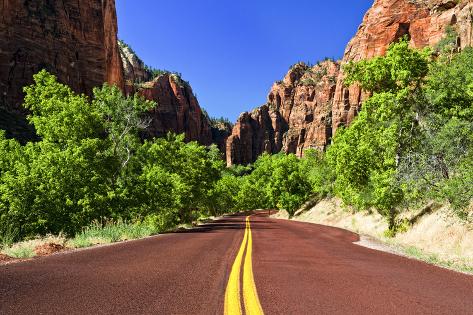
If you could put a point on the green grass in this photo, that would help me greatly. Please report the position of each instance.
(7, 239)
(433, 259)
(111, 232)
(95, 234)
(19, 251)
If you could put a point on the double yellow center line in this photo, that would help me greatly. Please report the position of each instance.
(232, 293)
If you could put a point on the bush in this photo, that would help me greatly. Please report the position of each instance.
(411, 143)
(91, 166)
(276, 182)
(111, 232)
(412, 140)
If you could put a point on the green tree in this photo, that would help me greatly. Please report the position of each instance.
(450, 86)
(434, 168)
(58, 114)
(196, 169)
(52, 189)
(122, 118)
(366, 156)
(401, 68)
(92, 165)
(276, 182)
(319, 173)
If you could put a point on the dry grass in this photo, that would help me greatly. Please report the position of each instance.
(442, 234)
(95, 234)
(438, 237)
(111, 232)
(26, 249)
(332, 212)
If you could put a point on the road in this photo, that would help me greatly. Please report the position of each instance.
(250, 265)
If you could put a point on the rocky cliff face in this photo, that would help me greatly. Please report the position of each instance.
(423, 21)
(220, 133)
(177, 109)
(301, 115)
(75, 40)
(296, 117)
(134, 69)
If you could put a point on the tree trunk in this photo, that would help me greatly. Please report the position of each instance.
(392, 219)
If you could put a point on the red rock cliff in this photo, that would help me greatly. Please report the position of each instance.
(177, 109)
(300, 115)
(423, 21)
(75, 40)
(296, 117)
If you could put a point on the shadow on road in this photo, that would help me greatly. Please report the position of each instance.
(225, 224)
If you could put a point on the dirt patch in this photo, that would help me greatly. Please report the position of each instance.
(48, 249)
(5, 258)
(281, 214)
(374, 243)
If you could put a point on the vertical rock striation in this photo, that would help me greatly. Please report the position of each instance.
(75, 40)
(296, 117)
(177, 109)
(305, 109)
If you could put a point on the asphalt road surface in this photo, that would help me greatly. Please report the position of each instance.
(237, 265)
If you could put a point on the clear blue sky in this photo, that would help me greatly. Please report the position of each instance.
(231, 52)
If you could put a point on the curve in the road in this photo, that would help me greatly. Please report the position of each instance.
(298, 268)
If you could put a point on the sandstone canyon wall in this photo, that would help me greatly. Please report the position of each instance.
(423, 21)
(177, 109)
(75, 40)
(305, 110)
(297, 115)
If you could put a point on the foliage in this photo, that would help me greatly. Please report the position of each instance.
(319, 173)
(98, 233)
(448, 44)
(92, 176)
(276, 182)
(91, 166)
(441, 168)
(122, 119)
(223, 198)
(366, 156)
(58, 114)
(450, 86)
(182, 174)
(155, 73)
(401, 68)
(217, 122)
(412, 140)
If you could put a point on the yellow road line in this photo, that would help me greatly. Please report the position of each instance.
(232, 293)
(250, 295)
